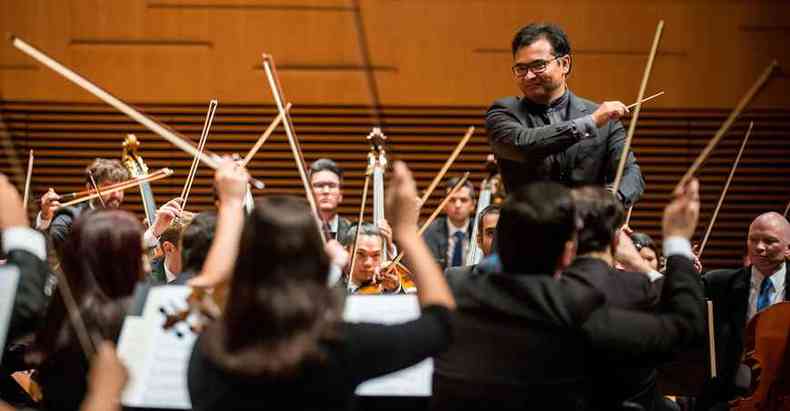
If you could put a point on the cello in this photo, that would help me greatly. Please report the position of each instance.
(767, 353)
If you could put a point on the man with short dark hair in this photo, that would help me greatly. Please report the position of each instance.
(194, 243)
(551, 134)
(486, 231)
(326, 178)
(448, 236)
(524, 340)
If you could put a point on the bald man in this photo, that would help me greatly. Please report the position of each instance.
(739, 294)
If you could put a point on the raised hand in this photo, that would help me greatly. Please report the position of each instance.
(609, 111)
(682, 214)
(49, 203)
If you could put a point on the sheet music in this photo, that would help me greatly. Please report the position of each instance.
(157, 359)
(414, 381)
(9, 281)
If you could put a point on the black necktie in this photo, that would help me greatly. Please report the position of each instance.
(458, 249)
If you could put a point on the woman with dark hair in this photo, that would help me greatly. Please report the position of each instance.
(647, 248)
(282, 338)
(102, 262)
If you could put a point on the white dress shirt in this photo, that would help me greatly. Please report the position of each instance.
(776, 293)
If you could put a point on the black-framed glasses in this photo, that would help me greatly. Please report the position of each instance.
(536, 67)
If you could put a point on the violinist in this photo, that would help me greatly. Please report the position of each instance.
(166, 267)
(281, 339)
(737, 295)
(58, 220)
(448, 236)
(367, 273)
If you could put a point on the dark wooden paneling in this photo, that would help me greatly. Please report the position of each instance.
(66, 137)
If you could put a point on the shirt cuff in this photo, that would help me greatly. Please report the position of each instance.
(654, 275)
(24, 238)
(584, 127)
(42, 224)
(677, 246)
(334, 275)
(149, 239)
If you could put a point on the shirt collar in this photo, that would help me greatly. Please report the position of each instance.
(558, 104)
(778, 278)
(451, 229)
(333, 222)
(169, 276)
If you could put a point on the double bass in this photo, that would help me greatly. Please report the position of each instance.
(134, 163)
(393, 276)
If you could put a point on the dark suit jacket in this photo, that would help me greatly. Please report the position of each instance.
(528, 150)
(729, 291)
(614, 385)
(60, 228)
(527, 341)
(436, 236)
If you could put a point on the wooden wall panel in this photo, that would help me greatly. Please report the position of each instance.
(66, 137)
(442, 52)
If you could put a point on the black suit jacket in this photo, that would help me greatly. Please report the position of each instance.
(527, 341)
(436, 236)
(528, 150)
(60, 228)
(729, 291)
(629, 290)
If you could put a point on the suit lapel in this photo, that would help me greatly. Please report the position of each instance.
(740, 289)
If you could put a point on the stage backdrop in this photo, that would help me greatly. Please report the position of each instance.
(424, 71)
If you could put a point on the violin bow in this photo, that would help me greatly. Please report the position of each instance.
(85, 338)
(27, 179)
(435, 213)
(265, 136)
(212, 108)
(450, 160)
(279, 99)
(354, 250)
(787, 209)
(745, 100)
(639, 100)
(178, 140)
(709, 229)
(158, 175)
(96, 187)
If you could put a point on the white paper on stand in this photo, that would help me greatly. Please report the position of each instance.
(414, 381)
(157, 359)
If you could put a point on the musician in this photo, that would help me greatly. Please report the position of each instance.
(551, 134)
(165, 268)
(486, 229)
(647, 248)
(305, 355)
(102, 261)
(368, 263)
(448, 236)
(524, 340)
(25, 249)
(737, 295)
(326, 178)
(195, 241)
(58, 220)
(600, 243)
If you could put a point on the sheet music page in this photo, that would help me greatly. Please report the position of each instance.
(414, 381)
(157, 358)
(9, 281)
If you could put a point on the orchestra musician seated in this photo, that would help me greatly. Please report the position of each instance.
(486, 230)
(366, 276)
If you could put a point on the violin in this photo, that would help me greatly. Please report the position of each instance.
(767, 353)
(202, 307)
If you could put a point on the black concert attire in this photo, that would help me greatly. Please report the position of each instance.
(363, 351)
(559, 142)
(728, 289)
(529, 341)
(437, 237)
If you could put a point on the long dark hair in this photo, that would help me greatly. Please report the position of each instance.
(102, 261)
(279, 308)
